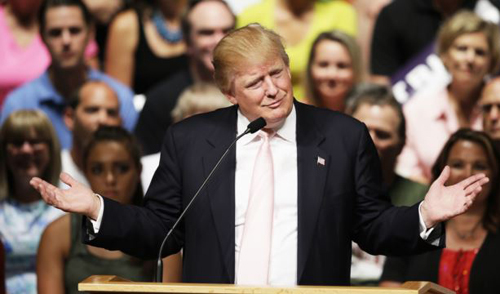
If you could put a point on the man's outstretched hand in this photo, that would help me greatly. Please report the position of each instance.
(77, 199)
(442, 203)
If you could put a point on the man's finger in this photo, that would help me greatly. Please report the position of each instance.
(478, 178)
(443, 177)
(67, 179)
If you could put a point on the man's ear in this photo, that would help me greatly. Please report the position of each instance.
(231, 98)
(68, 117)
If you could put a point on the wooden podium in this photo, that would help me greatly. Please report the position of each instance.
(113, 284)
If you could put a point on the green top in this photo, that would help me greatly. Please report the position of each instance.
(81, 263)
(404, 192)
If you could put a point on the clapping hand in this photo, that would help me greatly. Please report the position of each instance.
(77, 199)
(442, 203)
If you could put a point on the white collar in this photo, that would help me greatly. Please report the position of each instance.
(286, 131)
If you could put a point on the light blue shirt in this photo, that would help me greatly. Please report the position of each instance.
(41, 94)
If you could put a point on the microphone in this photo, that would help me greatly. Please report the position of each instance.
(252, 127)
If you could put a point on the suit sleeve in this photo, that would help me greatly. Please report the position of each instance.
(139, 231)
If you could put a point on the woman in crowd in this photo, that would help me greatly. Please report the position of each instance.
(24, 56)
(145, 44)
(112, 166)
(470, 50)
(469, 263)
(299, 22)
(334, 67)
(28, 148)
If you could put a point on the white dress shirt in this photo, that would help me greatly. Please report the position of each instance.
(283, 260)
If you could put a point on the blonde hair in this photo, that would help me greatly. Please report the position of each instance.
(349, 44)
(17, 127)
(249, 44)
(198, 98)
(467, 22)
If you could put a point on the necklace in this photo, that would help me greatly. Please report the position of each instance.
(169, 35)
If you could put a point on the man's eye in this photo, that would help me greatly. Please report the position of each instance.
(54, 33)
(75, 30)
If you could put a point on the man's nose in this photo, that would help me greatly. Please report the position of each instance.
(271, 89)
(495, 112)
(66, 37)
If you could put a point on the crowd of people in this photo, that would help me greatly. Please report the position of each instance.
(90, 88)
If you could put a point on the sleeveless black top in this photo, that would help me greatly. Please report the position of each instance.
(150, 69)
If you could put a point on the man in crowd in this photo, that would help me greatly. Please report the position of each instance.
(204, 24)
(490, 103)
(66, 29)
(284, 205)
(376, 107)
(95, 104)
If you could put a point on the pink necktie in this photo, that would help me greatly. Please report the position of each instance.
(253, 268)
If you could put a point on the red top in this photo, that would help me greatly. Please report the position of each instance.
(454, 269)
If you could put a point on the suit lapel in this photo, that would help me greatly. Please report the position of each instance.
(221, 187)
(312, 167)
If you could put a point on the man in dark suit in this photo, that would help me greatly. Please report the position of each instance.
(327, 184)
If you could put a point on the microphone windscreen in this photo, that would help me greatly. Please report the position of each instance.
(256, 125)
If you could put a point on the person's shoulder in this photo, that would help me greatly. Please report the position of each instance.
(26, 96)
(258, 12)
(328, 121)
(214, 119)
(175, 83)
(118, 86)
(59, 226)
(126, 22)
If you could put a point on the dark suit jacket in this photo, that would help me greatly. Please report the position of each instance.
(337, 202)
(484, 274)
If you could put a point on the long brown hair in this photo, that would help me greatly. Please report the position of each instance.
(491, 218)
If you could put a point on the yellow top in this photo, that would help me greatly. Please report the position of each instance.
(328, 15)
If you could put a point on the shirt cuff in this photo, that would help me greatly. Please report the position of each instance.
(430, 235)
(96, 224)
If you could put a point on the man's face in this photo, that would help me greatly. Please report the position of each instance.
(66, 35)
(263, 90)
(210, 22)
(382, 123)
(490, 103)
(98, 106)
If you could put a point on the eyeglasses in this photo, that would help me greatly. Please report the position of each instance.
(35, 143)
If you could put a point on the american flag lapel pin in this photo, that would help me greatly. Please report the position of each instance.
(320, 161)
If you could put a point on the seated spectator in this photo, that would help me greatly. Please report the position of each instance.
(299, 23)
(490, 104)
(24, 56)
(375, 106)
(198, 98)
(405, 28)
(66, 30)
(28, 148)
(469, 263)
(204, 24)
(334, 67)
(112, 167)
(145, 44)
(470, 50)
(93, 105)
